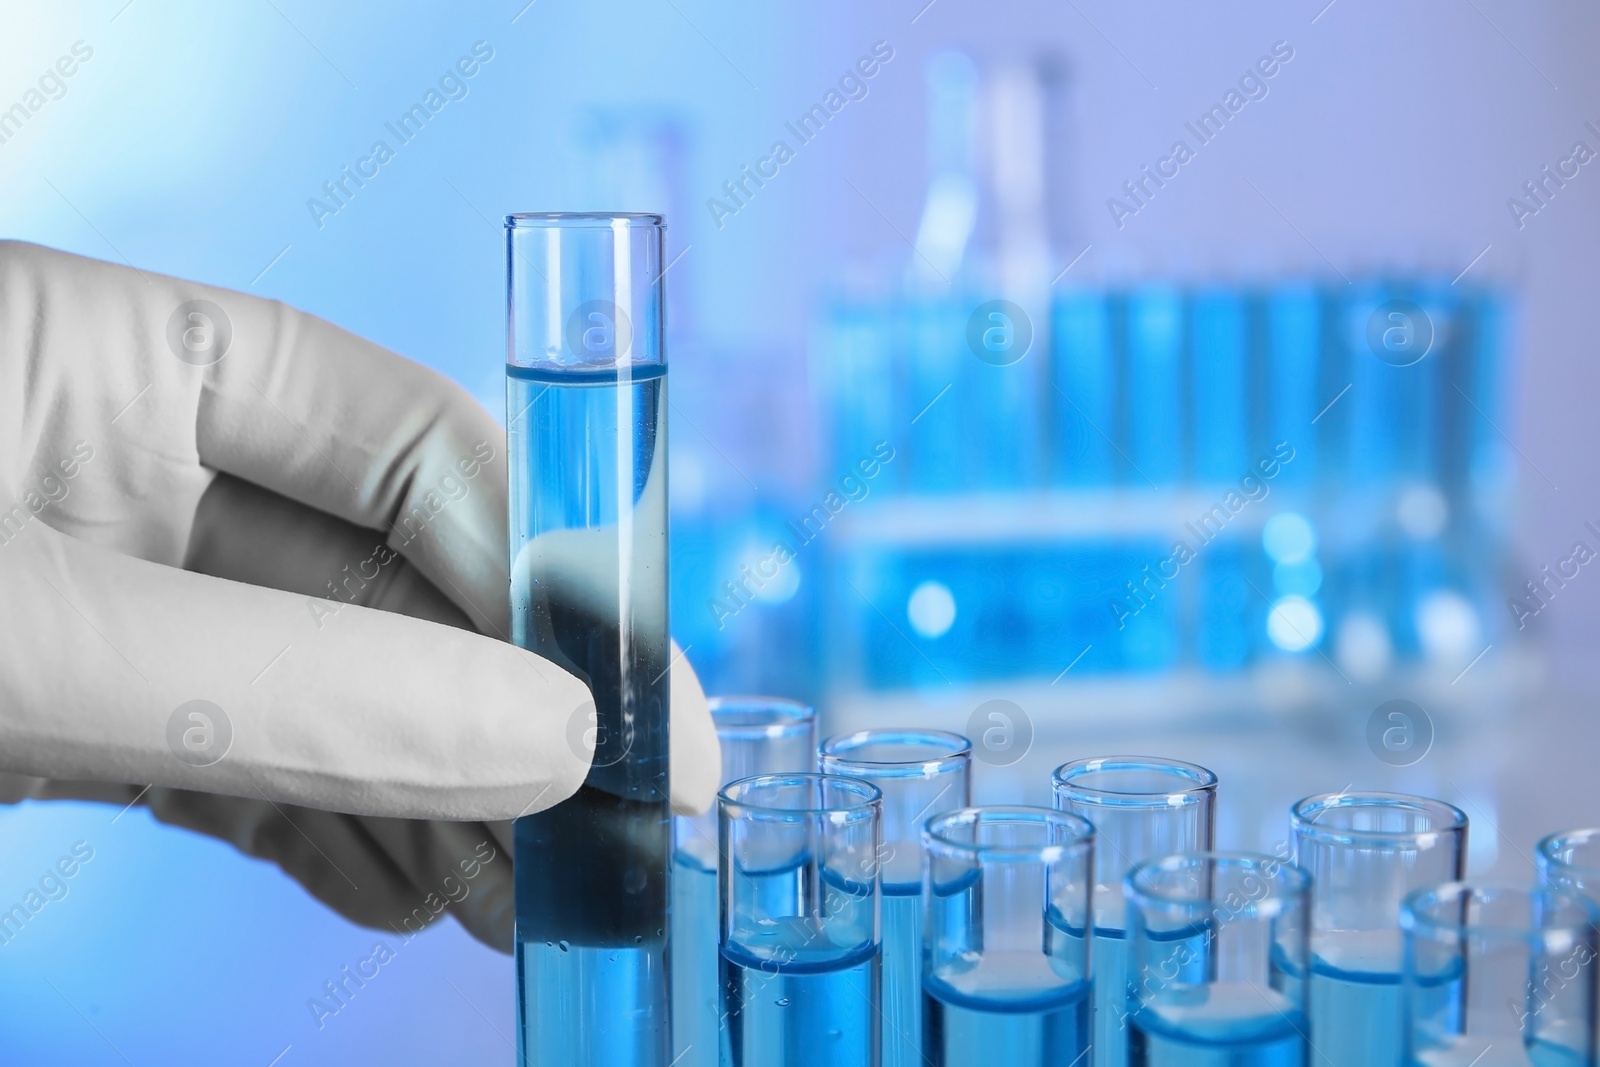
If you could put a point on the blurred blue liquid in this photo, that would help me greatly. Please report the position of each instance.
(696, 1010)
(798, 1000)
(902, 970)
(592, 872)
(1010, 1009)
(1218, 1025)
(1356, 1000)
(1110, 956)
(1503, 1054)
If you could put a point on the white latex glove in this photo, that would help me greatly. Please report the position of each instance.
(171, 526)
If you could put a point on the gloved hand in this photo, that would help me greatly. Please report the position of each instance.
(207, 496)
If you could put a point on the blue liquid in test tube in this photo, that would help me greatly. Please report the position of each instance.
(586, 442)
(1005, 971)
(921, 773)
(1490, 977)
(1155, 374)
(1294, 345)
(800, 968)
(758, 735)
(1141, 807)
(1086, 398)
(1365, 852)
(1218, 367)
(1210, 931)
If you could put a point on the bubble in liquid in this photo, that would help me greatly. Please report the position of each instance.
(638, 939)
(564, 946)
(782, 1002)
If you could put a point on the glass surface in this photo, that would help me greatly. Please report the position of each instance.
(1218, 949)
(586, 450)
(921, 773)
(1006, 895)
(757, 735)
(1498, 975)
(799, 935)
(1365, 852)
(1141, 807)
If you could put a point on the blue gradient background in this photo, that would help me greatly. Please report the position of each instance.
(192, 140)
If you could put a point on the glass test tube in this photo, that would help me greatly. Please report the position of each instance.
(921, 773)
(1006, 895)
(1499, 977)
(1365, 852)
(1571, 860)
(586, 450)
(1217, 967)
(800, 960)
(1141, 807)
(758, 735)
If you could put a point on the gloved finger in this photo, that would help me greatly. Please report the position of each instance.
(248, 534)
(695, 754)
(372, 713)
(297, 548)
(98, 353)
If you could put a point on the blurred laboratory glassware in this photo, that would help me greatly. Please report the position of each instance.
(1141, 807)
(800, 960)
(1365, 853)
(1005, 965)
(921, 773)
(758, 735)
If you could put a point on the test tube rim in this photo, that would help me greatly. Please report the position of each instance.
(530, 219)
(1416, 921)
(1293, 883)
(869, 798)
(934, 839)
(958, 756)
(1549, 844)
(788, 717)
(1303, 825)
(1205, 782)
